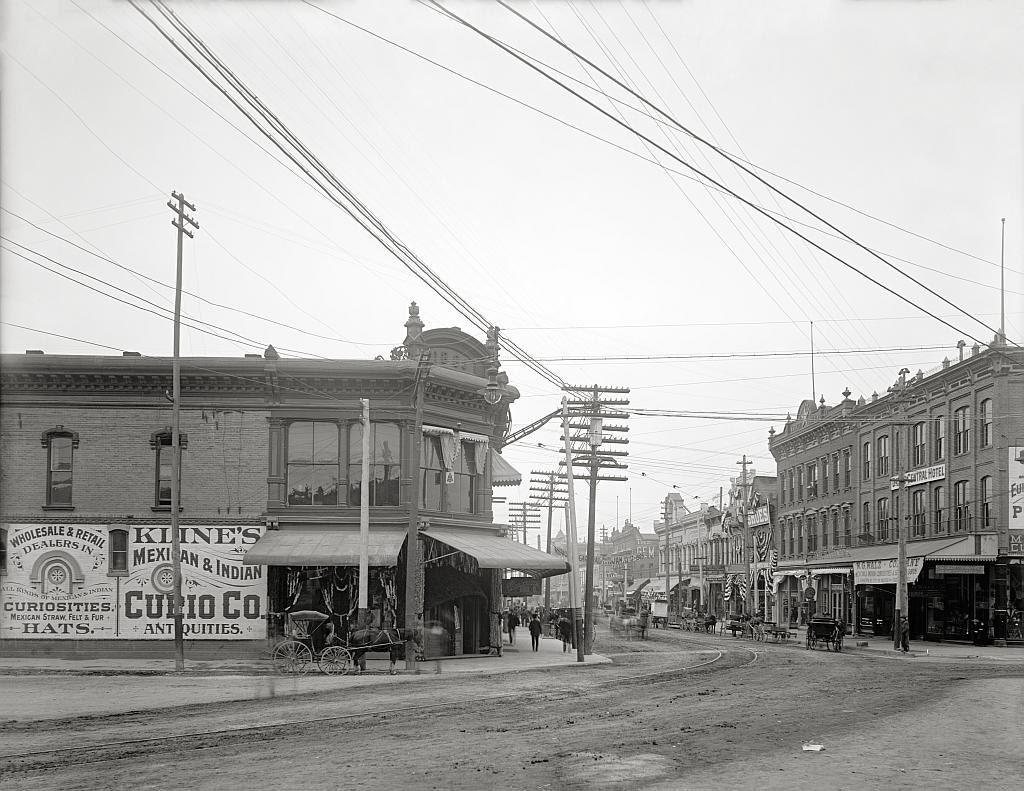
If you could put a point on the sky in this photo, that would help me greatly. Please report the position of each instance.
(900, 123)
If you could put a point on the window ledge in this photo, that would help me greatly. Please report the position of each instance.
(119, 573)
(58, 508)
(165, 509)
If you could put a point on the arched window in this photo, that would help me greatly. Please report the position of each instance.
(961, 507)
(60, 445)
(917, 512)
(882, 518)
(917, 442)
(962, 430)
(882, 459)
(985, 422)
(939, 500)
(866, 461)
(865, 521)
(117, 564)
(939, 438)
(985, 495)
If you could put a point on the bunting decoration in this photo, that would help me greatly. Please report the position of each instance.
(744, 585)
(729, 582)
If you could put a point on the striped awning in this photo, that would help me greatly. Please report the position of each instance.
(492, 551)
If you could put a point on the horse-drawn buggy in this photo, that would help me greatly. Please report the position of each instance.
(827, 631)
(311, 637)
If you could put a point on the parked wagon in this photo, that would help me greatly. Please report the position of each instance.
(309, 640)
(827, 631)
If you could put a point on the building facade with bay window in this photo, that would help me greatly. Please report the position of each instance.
(271, 482)
(939, 457)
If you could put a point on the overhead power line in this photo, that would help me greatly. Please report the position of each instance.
(725, 154)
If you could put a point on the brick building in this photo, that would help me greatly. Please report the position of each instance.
(271, 495)
(939, 457)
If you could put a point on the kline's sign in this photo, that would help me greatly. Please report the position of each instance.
(923, 475)
(884, 572)
(59, 584)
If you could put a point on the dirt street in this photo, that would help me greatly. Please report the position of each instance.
(677, 711)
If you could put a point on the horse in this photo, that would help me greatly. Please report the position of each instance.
(393, 640)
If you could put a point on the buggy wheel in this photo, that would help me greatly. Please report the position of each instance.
(335, 660)
(810, 641)
(292, 657)
(839, 643)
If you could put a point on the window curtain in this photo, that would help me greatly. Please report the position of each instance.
(449, 445)
(481, 452)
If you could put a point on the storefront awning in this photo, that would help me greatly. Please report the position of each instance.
(503, 473)
(492, 551)
(637, 586)
(832, 570)
(967, 547)
(324, 547)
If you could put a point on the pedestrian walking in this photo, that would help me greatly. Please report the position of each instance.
(565, 632)
(535, 629)
(904, 634)
(513, 622)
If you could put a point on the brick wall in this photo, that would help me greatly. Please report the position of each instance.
(224, 468)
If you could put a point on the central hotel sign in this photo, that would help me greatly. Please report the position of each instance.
(936, 472)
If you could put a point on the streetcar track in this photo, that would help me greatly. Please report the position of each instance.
(37, 758)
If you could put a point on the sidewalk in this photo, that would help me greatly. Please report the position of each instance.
(883, 646)
(514, 659)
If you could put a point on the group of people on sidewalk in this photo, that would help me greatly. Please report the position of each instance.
(557, 621)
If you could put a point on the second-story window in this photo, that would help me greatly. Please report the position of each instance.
(939, 501)
(313, 463)
(961, 507)
(801, 493)
(385, 464)
(939, 438)
(985, 423)
(847, 528)
(160, 441)
(962, 430)
(792, 494)
(837, 538)
(985, 497)
(3, 550)
(883, 457)
(824, 476)
(917, 443)
(847, 468)
(917, 512)
(432, 474)
(812, 479)
(60, 447)
(799, 537)
(812, 534)
(865, 521)
(882, 518)
(462, 493)
(835, 472)
(866, 461)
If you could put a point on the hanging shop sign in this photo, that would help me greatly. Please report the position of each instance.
(60, 585)
(884, 572)
(959, 568)
(521, 586)
(1016, 488)
(921, 475)
(758, 516)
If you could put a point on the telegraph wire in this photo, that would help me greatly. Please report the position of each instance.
(715, 148)
(169, 286)
(640, 156)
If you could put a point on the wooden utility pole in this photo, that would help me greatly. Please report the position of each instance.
(747, 549)
(570, 521)
(412, 545)
(177, 204)
(589, 438)
(362, 616)
(552, 491)
(523, 516)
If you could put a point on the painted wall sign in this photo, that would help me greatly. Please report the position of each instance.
(58, 584)
(884, 572)
(223, 599)
(1016, 488)
(921, 475)
(1016, 543)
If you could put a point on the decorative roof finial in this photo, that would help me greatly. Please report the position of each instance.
(847, 394)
